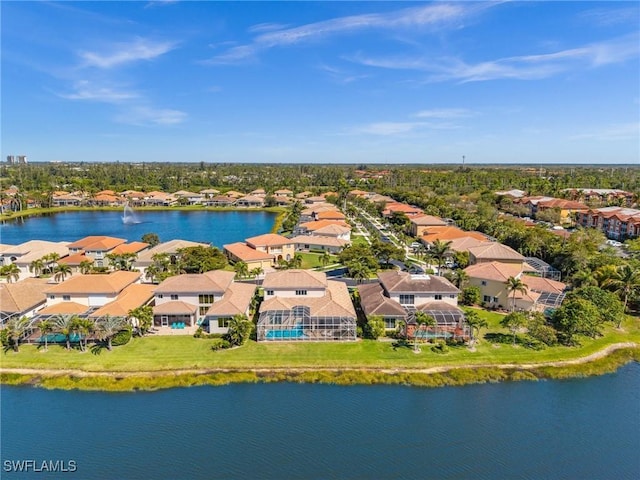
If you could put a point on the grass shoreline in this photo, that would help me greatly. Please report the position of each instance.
(599, 363)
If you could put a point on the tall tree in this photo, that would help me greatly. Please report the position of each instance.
(241, 268)
(63, 270)
(626, 283)
(107, 327)
(423, 321)
(476, 323)
(151, 238)
(141, 318)
(514, 286)
(46, 328)
(16, 328)
(11, 272)
(64, 324)
(239, 330)
(440, 251)
(514, 321)
(36, 267)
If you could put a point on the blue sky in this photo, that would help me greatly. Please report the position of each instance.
(326, 82)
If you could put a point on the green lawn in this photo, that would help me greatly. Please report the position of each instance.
(312, 260)
(155, 353)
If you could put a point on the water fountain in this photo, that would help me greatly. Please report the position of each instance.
(129, 217)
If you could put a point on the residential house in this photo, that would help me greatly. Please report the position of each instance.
(24, 254)
(258, 192)
(283, 192)
(617, 223)
(600, 196)
(492, 280)
(319, 243)
(176, 297)
(302, 305)
(91, 290)
(398, 295)
(281, 247)
(66, 200)
(325, 227)
(396, 207)
(250, 201)
(329, 215)
(255, 259)
(446, 234)
(420, 223)
(96, 247)
(494, 252)
(190, 198)
(160, 199)
(22, 299)
(170, 248)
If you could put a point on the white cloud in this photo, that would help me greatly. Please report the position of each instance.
(122, 53)
(340, 75)
(611, 16)
(149, 116)
(445, 113)
(266, 27)
(432, 15)
(525, 67)
(84, 90)
(399, 128)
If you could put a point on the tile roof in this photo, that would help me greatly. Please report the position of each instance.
(330, 214)
(171, 247)
(463, 244)
(35, 250)
(539, 284)
(133, 296)
(97, 242)
(23, 295)
(236, 301)
(495, 250)
(75, 259)
(268, 239)
(494, 271)
(335, 303)
(402, 282)
(319, 240)
(110, 283)
(295, 279)
(332, 230)
(216, 281)
(317, 224)
(175, 307)
(133, 247)
(64, 308)
(427, 220)
(246, 253)
(448, 233)
(374, 302)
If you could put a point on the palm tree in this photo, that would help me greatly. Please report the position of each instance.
(296, 261)
(11, 271)
(107, 327)
(626, 283)
(439, 252)
(242, 269)
(85, 266)
(62, 270)
(15, 330)
(83, 327)
(256, 272)
(475, 323)
(515, 285)
(46, 327)
(239, 329)
(141, 318)
(36, 267)
(460, 278)
(422, 320)
(583, 278)
(605, 274)
(325, 258)
(358, 271)
(50, 259)
(64, 324)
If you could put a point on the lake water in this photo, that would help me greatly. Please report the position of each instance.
(571, 429)
(215, 227)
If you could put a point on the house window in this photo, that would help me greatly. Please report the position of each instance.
(174, 297)
(205, 299)
(223, 322)
(452, 296)
(52, 297)
(203, 310)
(407, 299)
(66, 298)
(486, 298)
(276, 319)
(160, 295)
(269, 292)
(389, 323)
(301, 292)
(438, 297)
(483, 283)
(164, 320)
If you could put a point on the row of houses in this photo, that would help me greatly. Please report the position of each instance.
(298, 305)
(617, 223)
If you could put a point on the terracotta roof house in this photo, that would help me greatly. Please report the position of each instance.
(315, 200)
(514, 193)
(302, 305)
(615, 222)
(91, 290)
(319, 243)
(398, 295)
(303, 195)
(241, 252)
(191, 197)
(203, 291)
(75, 260)
(420, 223)
(22, 298)
(234, 194)
(209, 192)
(107, 200)
(219, 201)
(494, 251)
(281, 247)
(329, 215)
(133, 247)
(463, 244)
(250, 201)
(283, 192)
(315, 225)
(333, 230)
(408, 210)
(160, 199)
(259, 192)
(492, 278)
(22, 255)
(445, 234)
(66, 200)
(96, 247)
(358, 193)
(133, 296)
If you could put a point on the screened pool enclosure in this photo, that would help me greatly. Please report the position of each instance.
(297, 324)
